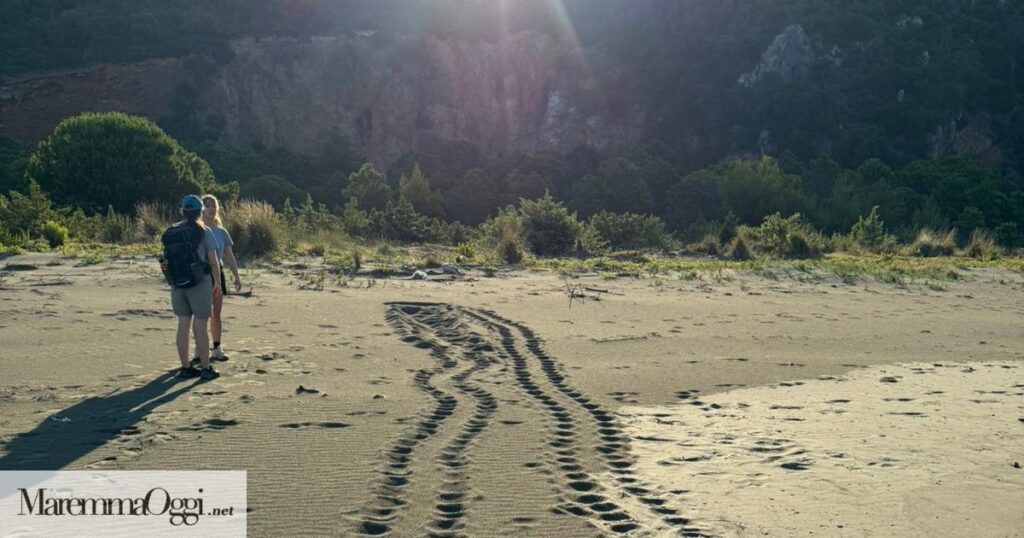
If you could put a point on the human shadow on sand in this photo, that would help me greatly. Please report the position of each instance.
(67, 435)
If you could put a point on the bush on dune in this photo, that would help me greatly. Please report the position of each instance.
(981, 246)
(549, 228)
(739, 249)
(253, 227)
(505, 236)
(788, 237)
(931, 243)
(630, 231)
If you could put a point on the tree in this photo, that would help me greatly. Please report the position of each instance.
(749, 188)
(98, 159)
(25, 212)
(753, 189)
(869, 231)
(13, 160)
(821, 175)
(401, 222)
(272, 189)
(474, 198)
(356, 222)
(369, 187)
(416, 189)
(550, 229)
(618, 185)
(693, 198)
(517, 184)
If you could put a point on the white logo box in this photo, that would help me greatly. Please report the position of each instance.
(122, 503)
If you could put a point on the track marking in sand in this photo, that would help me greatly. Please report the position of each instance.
(591, 469)
(861, 451)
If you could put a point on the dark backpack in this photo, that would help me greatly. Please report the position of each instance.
(184, 269)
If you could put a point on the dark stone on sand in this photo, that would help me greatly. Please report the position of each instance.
(378, 396)
(304, 390)
(888, 379)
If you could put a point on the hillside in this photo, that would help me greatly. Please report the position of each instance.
(895, 80)
(641, 106)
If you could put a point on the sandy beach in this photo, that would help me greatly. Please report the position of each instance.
(722, 405)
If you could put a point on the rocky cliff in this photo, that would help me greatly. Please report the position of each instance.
(522, 94)
(31, 106)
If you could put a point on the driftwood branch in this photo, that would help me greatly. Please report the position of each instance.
(575, 291)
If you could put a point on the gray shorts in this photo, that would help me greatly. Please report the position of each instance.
(195, 301)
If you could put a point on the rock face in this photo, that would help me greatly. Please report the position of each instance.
(789, 55)
(31, 107)
(386, 96)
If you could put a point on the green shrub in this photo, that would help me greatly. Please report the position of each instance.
(930, 243)
(318, 248)
(153, 218)
(869, 232)
(775, 230)
(26, 212)
(800, 246)
(355, 221)
(788, 237)
(83, 228)
(465, 251)
(590, 243)
(116, 228)
(1008, 235)
(505, 235)
(447, 233)
(709, 245)
(401, 222)
(8, 249)
(509, 250)
(350, 261)
(549, 228)
(739, 249)
(981, 246)
(254, 228)
(55, 234)
(630, 230)
(727, 228)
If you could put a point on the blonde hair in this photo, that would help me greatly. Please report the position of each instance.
(216, 203)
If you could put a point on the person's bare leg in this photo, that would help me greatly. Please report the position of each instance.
(215, 324)
(203, 341)
(182, 340)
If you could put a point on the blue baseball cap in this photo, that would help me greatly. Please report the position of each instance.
(191, 203)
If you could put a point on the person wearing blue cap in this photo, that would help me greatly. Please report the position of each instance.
(188, 262)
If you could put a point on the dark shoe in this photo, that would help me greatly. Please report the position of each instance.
(209, 373)
(186, 373)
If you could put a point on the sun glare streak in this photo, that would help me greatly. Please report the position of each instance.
(567, 28)
(503, 17)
